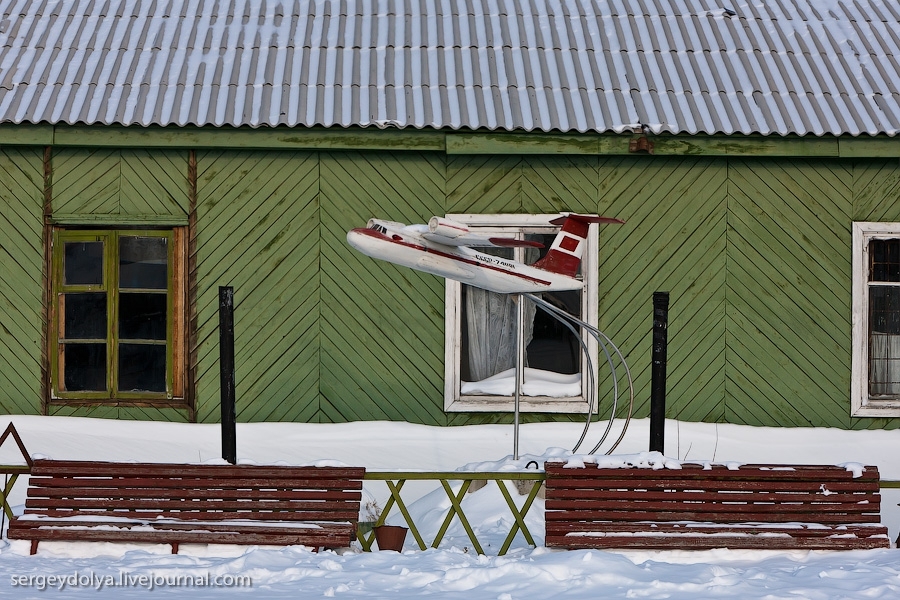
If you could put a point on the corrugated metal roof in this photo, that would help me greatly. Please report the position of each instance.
(681, 66)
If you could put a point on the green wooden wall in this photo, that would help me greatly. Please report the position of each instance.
(755, 253)
(129, 187)
(21, 285)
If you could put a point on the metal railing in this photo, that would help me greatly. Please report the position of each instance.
(395, 481)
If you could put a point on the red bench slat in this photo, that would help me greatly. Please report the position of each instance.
(243, 504)
(697, 506)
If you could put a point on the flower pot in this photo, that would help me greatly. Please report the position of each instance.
(390, 537)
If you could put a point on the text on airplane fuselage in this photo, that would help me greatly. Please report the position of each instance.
(493, 260)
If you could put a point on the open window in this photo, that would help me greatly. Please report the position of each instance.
(480, 330)
(118, 316)
(875, 390)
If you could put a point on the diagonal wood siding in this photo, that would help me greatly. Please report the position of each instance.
(788, 275)
(258, 231)
(755, 254)
(673, 241)
(136, 183)
(21, 286)
(382, 325)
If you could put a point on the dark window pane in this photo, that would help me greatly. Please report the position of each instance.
(143, 263)
(142, 368)
(884, 309)
(83, 263)
(142, 316)
(85, 316)
(885, 256)
(84, 367)
(553, 346)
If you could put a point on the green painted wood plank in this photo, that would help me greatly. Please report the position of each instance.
(479, 184)
(268, 193)
(154, 182)
(792, 193)
(826, 146)
(15, 134)
(86, 181)
(651, 251)
(22, 269)
(94, 412)
(291, 331)
(522, 143)
(369, 393)
(260, 214)
(789, 272)
(248, 138)
(21, 297)
(554, 184)
(876, 189)
(169, 415)
(869, 147)
(793, 349)
(409, 358)
(757, 350)
(118, 219)
(787, 245)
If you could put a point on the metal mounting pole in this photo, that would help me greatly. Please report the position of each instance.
(658, 372)
(520, 368)
(226, 373)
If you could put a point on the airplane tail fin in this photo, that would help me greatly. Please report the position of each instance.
(564, 255)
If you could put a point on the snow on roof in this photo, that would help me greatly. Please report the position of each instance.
(679, 66)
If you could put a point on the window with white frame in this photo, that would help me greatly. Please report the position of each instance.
(875, 383)
(481, 329)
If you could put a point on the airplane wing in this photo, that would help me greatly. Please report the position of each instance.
(450, 233)
(480, 241)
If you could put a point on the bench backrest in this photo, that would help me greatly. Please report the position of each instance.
(202, 492)
(752, 493)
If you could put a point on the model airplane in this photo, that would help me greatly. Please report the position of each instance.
(445, 247)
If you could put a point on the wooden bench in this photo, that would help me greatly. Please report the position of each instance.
(198, 504)
(753, 506)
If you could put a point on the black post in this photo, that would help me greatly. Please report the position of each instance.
(226, 371)
(658, 374)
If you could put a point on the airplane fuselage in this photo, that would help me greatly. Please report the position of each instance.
(406, 247)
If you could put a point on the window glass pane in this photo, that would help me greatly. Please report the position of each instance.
(85, 316)
(488, 334)
(142, 316)
(83, 263)
(142, 368)
(885, 257)
(884, 340)
(143, 262)
(553, 346)
(84, 367)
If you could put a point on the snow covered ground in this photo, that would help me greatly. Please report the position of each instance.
(63, 570)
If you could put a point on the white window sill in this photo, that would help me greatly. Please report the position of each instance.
(526, 404)
(880, 409)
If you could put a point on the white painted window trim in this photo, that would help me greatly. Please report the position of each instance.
(860, 404)
(453, 401)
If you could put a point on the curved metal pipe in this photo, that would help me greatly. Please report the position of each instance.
(602, 340)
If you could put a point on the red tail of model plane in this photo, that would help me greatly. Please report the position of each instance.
(565, 254)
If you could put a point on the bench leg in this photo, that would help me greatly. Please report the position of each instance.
(34, 544)
(174, 547)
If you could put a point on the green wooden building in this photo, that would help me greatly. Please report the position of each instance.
(149, 156)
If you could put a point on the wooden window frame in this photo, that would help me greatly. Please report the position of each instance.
(176, 326)
(861, 405)
(506, 224)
